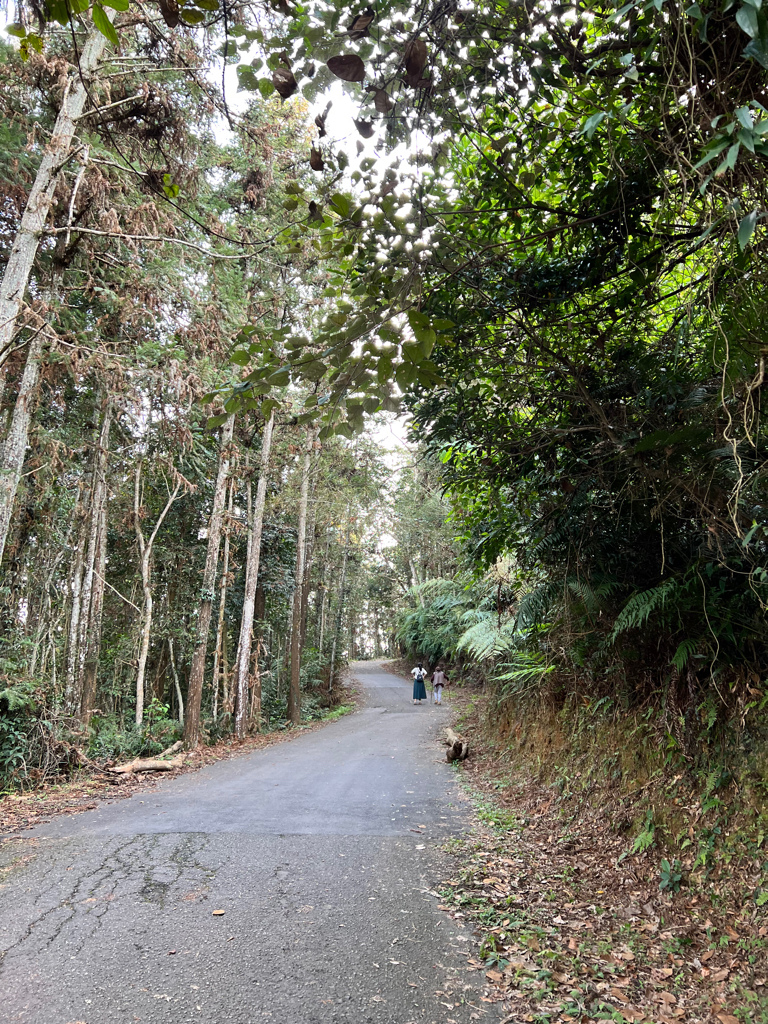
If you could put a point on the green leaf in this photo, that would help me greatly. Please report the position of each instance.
(591, 124)
(192, 17)
(405, 374)
(280, 377)
(16, 29)
(746, 19)
(266, 88)
(313, 370)
(246, 78)
(117, 5)
(240, 357)
(104, 25)
(341, 204)
(754, 49)
(744, 117)
(747, 229)
(730, 159)
(267, 406)
(710, 155)
(216, 421)
(210, 397)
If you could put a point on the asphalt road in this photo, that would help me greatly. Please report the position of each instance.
(322, 853)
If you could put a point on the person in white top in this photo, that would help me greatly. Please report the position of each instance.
(438, 682)
(419, 674)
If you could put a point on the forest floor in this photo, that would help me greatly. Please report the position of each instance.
(573, 928)
(86, 789)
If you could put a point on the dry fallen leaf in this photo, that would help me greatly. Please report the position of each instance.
(348, 67)
(284, 82)
(218, 913)
(366, 129)
(727, 1018)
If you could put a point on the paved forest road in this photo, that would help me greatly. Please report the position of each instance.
(309, 847)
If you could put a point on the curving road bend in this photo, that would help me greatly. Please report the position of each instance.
(321, 852)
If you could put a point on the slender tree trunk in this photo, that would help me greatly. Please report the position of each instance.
(145, 550)
(19, 267)
(179, 698)
(197, 671)
(340, 611)
(294, 692)
(217, 656)
(323, 597)
(93, 588)
(243, 657)
(71, 692)
(93, 649)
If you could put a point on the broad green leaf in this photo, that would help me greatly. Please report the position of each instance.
(746, 19)
(240, 357)
(216, 421)
(104, 25)
(341, 204)
(730, 159)
(280, 377)
(747, 229)
(117, 5)
(405, 374)
(744, 117)
(16, 29)
(313, 370)
(591, 124)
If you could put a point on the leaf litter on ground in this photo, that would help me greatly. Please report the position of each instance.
(570, 928)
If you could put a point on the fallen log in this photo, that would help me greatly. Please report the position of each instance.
(458, 747)
(152, 764)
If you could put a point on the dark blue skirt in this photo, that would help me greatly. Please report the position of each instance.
(419, 690)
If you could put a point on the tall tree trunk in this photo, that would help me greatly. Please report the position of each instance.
(145, 551)
(197, 671)
(243, 657)
(294, 692)
(218, 651)
(19, 267)
(93, 589)
(340, 614)
(93, 649)
(71, 692)
(179, 698)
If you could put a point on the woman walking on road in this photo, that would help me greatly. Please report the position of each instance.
(439, 680)
(419, 689)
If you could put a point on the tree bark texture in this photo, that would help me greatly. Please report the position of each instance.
(92, 593)
(218, 658)
(243, 657)
(340, 614)
(294, 692)
(197, 671)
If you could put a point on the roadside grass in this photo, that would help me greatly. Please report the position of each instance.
(338, 712)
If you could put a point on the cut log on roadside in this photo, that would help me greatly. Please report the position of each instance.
(458, 747)
(152, 764)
